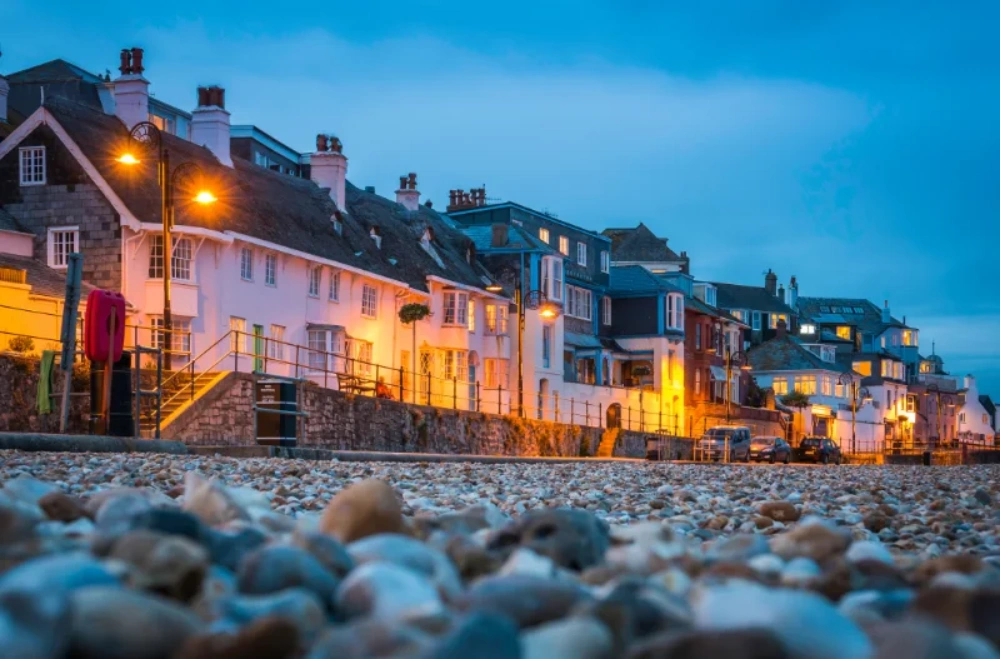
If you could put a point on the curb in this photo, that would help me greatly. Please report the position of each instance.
(374, 456)
(15, 441)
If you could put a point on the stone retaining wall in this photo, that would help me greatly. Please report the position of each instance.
(340, 421)
(19, 398)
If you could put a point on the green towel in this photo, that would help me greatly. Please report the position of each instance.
(45, 382)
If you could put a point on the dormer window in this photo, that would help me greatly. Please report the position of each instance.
(376, 236)
(427, 237)
(32, 161)
(338, 226)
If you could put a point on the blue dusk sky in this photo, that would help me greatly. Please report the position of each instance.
(853, 144)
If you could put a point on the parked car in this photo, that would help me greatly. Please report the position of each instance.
(770, 449)
(818, 449)
(716, 440)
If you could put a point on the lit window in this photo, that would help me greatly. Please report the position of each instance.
(864, 368)
(780, 386)
(697, 381)
(805, 384)
(246, 264)
(606, 310)
(844, 332)
(237, 328)
(564, 245)
(369, 301)
(605, 262)
(62, 242)
(335, 286)
(775, 317)
(496, 319)
(543, 235)
(315, 276)
(32, 159)
(472, 316)
(275, 347)
(827, 385)
(909, 338)
(180, 334)
(496, 373)
(271, 270)
(581, 254)
(456, 308)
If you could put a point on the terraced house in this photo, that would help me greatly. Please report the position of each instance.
(283, 273)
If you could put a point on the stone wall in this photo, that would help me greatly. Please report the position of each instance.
(704, 415)
(19, 399)
(340, 421)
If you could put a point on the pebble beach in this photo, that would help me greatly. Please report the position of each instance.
(156, 556)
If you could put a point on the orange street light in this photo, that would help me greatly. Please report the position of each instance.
(128, 159)
(547, 312)
(205, 197)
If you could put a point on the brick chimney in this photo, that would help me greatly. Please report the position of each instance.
(328, 168)
(131, 90)
(793, 293)
(210, 123)
(499, 237)
(686, 263)
(462, 200)
(4, 90)
(408, 195)
(886, 316)
(782, 329)
(771, 283)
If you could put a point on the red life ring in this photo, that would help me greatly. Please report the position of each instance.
(97, 342)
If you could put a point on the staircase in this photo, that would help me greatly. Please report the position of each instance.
(179, 390)
(609, 438)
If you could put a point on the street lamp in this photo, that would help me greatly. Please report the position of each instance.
(740, 360)
(532, 300)
(857, 393)
(145, 136)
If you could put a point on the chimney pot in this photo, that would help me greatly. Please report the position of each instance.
(137, 67)
(125, 63)
(408, 195)
(328, 168)
(210, 123)
(413, 180)
(131, 90)
(322, 143)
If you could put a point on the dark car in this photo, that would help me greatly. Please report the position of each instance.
(770, 449)
(718, 440)
(818, 449)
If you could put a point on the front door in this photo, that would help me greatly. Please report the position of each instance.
(258, 347)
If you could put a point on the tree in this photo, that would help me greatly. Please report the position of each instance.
(756, 397)
(409, 314)
(795, 399)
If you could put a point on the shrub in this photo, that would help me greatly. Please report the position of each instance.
(21, 344)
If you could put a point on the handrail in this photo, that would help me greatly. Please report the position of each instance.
(200, 355)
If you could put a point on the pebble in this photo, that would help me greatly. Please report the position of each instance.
(210, 557)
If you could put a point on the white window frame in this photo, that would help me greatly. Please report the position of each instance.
(240, 326)
(246, 263)
(59, 258)
(270, 269)
(496, 319)
(581, 254)
(471, 319)
(606, 310)
(334, 293)
(605, 261)
(30, 172)
(564, 245)
(579, 303)
(369, 301)
(543, 235)
(496, 372)
(780, 386)
(556, 280)
(456, 308)
(181, 259)
(755, 321)
(180, 334)
(276, 349)
(315, 280)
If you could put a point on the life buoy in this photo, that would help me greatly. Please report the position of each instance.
(98, 343)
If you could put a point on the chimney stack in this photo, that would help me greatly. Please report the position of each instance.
(210, 123)
(782, 329)
(685, 263)
(462, 200)
(408, 195)
(781, 292)
(499, 237)
(131, 90)
(328, 168)
(771, 283)
(4, 90)
(886, 316)
(793, 293)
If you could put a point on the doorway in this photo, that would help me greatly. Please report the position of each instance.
(258, 347)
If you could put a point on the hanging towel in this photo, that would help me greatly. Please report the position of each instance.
(45, 382)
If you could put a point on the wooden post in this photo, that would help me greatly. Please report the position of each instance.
(108, 367)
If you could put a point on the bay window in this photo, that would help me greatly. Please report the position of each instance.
(456, 308)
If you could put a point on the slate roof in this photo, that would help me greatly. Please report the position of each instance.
(785, 354)
(636, 279)
(42, 279)
(639, 244)
(285, 210)
(517, 238)
(752, 298)
(701, 307)
(989, 406)
(9, 223)
(863, 314)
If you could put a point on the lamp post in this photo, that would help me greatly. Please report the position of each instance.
(740, 360)
(145, 136)
(847, 380)
(532, 300)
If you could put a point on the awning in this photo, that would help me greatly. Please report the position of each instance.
(582, 340)
(321, 326)
(718, 373)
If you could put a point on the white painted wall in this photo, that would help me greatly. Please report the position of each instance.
(973, 419)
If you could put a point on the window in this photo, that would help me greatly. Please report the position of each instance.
(697, 381)
(755, 321)
(338, 226)
(581, 254)
(605, 261)
(271, 270)
(840, 390)
(62, 242)
(579, 303)
(180, 334)
(606, 310)
(827, 385)
(780, 386)
(675, 312)
(456, 308)
(886, 368)
(807, 328)
(165, 124)
(805, 384)
(552, 279)
(317, 341)
(315, 276)
(237, 328)
(335, 286)
(909, 338)
(369, 301)
(496, 373)
(564, 245)
(32, 165)
(775, 317)
(844, 332)
(697, 336)
(246, 264)
(180, 258)
(546, 346)
(895, 339)
(454, 364)
(710, 296)
(496, 319)
(543, 235)
(472, 316)
(275, 348)
(864, 368)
